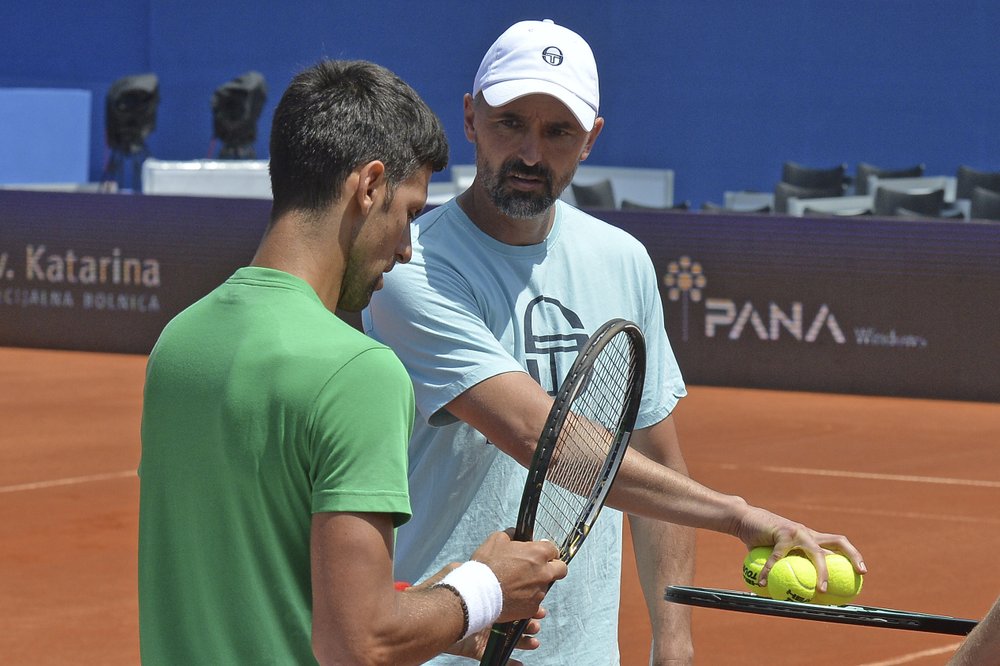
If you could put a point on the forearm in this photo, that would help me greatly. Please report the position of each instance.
(358, 616)
(654, 491)
(413, 627)
(664, 556)
(653, 483)
(982, 645)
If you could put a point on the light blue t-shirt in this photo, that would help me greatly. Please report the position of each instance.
(468, 307)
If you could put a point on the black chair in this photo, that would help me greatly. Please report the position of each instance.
(817, 179)
(709, 207)
(923, 203)
(968, 179)
(631, 205)
(865, 170)
(599, 195)
(785, 191)
(946, 214)
(985, 204)
(849, 212)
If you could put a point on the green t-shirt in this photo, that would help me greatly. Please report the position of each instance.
(261, 408)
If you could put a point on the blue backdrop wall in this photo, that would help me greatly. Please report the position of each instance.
(721, 91)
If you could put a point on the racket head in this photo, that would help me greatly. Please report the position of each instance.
(871, 616)
(597, 404)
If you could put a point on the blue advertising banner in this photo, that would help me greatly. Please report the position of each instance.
(853, 305)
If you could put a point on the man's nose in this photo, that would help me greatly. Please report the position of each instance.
(404, 251)
(530, 149)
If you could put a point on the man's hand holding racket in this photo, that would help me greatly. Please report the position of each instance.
(525, 569)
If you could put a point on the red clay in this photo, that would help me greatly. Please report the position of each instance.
(914, 483)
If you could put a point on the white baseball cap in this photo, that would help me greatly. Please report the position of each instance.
(540, 57)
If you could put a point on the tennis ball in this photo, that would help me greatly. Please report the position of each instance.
(752, 564)
(793, 578)
(843, 582)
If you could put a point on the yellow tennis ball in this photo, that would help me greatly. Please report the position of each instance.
(752, 564)
(843, 582)
(793, 578)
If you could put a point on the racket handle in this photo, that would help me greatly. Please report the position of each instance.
(503, 638)
(514, 637)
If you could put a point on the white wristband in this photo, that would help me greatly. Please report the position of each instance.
(480, 591)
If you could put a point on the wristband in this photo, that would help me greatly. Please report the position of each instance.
(478, 589)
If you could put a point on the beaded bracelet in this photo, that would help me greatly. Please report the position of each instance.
(465, 609)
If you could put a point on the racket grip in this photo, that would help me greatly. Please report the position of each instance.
(495, 645)
(503, 638)
(515, 635)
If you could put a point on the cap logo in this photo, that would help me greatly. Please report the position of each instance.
(552, 55)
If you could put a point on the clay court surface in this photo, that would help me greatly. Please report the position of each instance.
(914, 483)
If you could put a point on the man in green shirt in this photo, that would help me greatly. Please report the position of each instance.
(274, 434)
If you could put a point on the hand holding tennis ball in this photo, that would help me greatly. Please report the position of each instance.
(793, 578)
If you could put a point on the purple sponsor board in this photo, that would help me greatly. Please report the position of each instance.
(872, 306)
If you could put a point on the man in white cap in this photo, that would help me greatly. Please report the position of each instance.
(505, 283)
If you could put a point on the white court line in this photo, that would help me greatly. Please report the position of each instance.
(866, 475)
(913, 656)
(868, 511)
(898, 514)
(67, 482)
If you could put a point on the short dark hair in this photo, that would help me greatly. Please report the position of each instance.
(338, 115)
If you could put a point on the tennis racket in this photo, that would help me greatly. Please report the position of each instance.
(578, 454)
(871, 616)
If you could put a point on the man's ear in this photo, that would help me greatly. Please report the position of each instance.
(371, 186)
(592, 138)
(468, 114)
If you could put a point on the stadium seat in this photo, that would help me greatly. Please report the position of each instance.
(632, 205)
(803, 176)
(968, 179)
(865, 170)
(985, 204)
(784, 191)
(888, 202)
(598, 195)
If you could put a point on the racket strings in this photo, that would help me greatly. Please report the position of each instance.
(592, 426)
